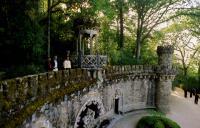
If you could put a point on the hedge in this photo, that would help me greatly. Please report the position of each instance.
(156, 122)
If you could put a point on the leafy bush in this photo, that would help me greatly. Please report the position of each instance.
(156, 122)
(159, 124)
(169, 123)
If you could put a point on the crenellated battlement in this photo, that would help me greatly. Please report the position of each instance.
(19, 93)
(139, 71)
(169, 49)
(144, 85)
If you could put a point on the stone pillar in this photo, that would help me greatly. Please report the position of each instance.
(165, 55)
(91, 44)
(165, 75)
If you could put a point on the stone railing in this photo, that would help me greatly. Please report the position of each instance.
(116, 72)
(89, 61)
(32, 91)
(21, 97)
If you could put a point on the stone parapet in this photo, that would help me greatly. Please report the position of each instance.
(139, 71)
(165, 49)
(30, 92)
(166, 70)
(128, 69)
(18, 93)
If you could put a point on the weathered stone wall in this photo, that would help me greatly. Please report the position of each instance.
(66, 111)
(83, 98)
(133, 85)
(21, 97)
(134, 90)
(165, 74)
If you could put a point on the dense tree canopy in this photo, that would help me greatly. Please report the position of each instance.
(129, 30)
(22, 36)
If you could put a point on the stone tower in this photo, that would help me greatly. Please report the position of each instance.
(165, 76)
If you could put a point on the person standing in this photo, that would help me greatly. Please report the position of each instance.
(55, 64)
(185, 92)
(196, 98)
(67, 63)
(49, 64)
(191, 92)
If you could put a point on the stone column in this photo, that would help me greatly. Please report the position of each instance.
(91, 44)
(165, 75)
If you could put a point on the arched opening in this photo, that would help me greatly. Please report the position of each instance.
(89, 113)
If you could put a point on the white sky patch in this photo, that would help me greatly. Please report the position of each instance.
(63, 6)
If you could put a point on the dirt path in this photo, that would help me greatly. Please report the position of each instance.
(127, 121)
(183, 110)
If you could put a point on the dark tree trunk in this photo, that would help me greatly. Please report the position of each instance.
(138, 47)
(49, 31)
(139, 37)
(199, 72)
(121, 37)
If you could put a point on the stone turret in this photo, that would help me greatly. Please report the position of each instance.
(165, 76)
(165, 54)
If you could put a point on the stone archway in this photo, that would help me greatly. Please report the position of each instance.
(89, 112)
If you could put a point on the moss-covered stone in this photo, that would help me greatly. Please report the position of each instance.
(27, 111)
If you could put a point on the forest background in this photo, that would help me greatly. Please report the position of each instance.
(129, 33)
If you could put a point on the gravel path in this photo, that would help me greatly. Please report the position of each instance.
(127, 121)
(183, 111)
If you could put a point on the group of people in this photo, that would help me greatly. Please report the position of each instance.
(53, 64)
(192, 92)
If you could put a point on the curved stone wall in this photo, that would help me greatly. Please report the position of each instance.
(78, 98)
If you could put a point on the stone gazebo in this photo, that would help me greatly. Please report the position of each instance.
(88, 59)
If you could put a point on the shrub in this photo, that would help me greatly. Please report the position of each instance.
(159, 124)
(156, 122)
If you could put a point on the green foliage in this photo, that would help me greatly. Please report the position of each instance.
(148, 54)
(192, 82)
(179, 79)
(22, 36)
(187, 82)
(42, 6)
(147, 10)
(122, 57)
(159, 124)
(22, 70)
(23, 29)
(156, 122)
(169, 123)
